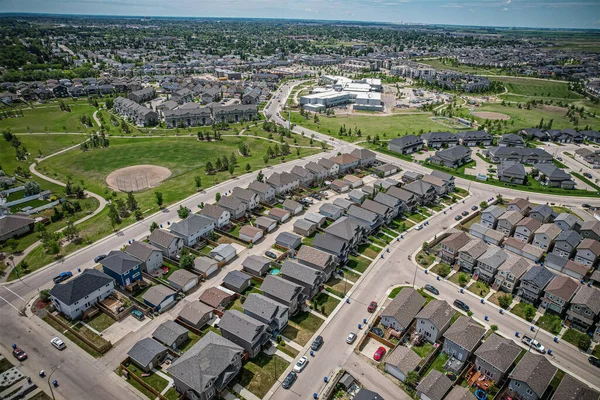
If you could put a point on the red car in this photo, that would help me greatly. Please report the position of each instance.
(19, 354)
(372, 307)
(379, 353)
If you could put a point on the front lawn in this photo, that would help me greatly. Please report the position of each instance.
(596, 352)
(261, 372)
(325, 304)
(100, 322)
(423, 349)
(369, 250)
(461, 279)
(524, 310)
(416, 217)
(550, 322)
(351, 276)
(359, 264)
(302, 326)
(481, 289)
(576, 338)
(289, 350)
(395, 292)
(441, 269)
(495, 298)
(339, 286)
(425, 260)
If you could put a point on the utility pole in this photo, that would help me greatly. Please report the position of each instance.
(49, 385)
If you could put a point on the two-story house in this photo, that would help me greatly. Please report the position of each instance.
(250, 198)
(533, 284)
(385, 213)
(346, 161)
(218, 214)
(461, 340)
(283, 182)
(559, 293)
(406, 144)
(496, 356)
(566, 243)
(284, 292)
(268, 311)
(424, 192)
(347, 230)
(402, 310)
(433, 320)
(450, 246)
(408, 199)
(333, 169)
(371, 219)
(236, 208)
(469, 253)
(122, 267)
(585, 308)
(193, 228)
(531, 377)
(265, 192)
(490, 216)
(309, 278)
(170, 244)
(545, 235)
(507, 223)
(520, 204)
(73, 297)
(396, 204)
(489, 262)
(588, 252)
(306, 177)
(207, 368)
(568, 222)
(317, 259)
(320, 172)
(542, 213)
(525, 229)
(245, 331)
(365, 156)
(590, 230)
(151, 257)
(509, 274)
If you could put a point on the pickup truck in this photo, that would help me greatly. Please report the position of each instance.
(534, 344)
(63, 276)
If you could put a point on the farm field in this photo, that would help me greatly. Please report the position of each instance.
(49, 118)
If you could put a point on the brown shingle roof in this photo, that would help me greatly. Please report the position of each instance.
(536, 371)
(213, 296)
(563, 287)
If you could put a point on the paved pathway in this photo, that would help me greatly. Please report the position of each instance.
(244, 392)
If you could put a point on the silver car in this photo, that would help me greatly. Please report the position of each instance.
(351, 338)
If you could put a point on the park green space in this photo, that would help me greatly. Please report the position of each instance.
(49, 118)
(538, 87)
(467, 69)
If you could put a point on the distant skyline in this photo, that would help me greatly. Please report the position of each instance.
(518, 13)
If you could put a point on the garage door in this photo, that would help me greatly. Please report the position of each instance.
(167, 301)
(211, 270)
(190, 285)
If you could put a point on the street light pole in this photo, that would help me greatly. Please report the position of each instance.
(49, 385)
(533, 340)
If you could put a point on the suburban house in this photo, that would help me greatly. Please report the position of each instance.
(434, 386)
(305, 177)
(386, 170)
(533, 284)
(510, 272)
(122, 267)
(531, 377)
(171, 334)
(460, 341)
(310, 279)
(545, 235)
(207, 368)
(450, 246)
(343, 203)
(437, 140)
(256, 265)
(220, 215)
(507, 223)
(469, 253)
(452, 157)
(333, 169)
(511, 140)
(424, 192)
(196, 314)
(291, 206)
(568, 222)
(371, 219)
(75, 296)
(331, 211)
(223, 253)
(279, 214)
(401, 361)
(12, 226)
(357, 196)
(384, 212)
(494, 237)
(366, 157)
(550, 175)
(332, 245)
(346, 162)
(137, 113)
(236, 208)
(489, 262)
(147, 354)
(490, 216)
(585, 308)
(588, 252)
(408, 200)
(559, 293)
(433, 320)
(283, 182)
(205, 266)
(316, 218)
(250, 234)
(495, 357)
(249, 198)
(543, 213)
(267, 311)
(402, 310)
(566, 244)
(439, 185)
(319, 171)
(237, 281)
(265, 192)
(216, 298)
(339, 186)
(170, 244)
(159, 298)
(193, 228)
(512, 172)
(346, 229)
(266, 224)
(523, 155)
(525, 229)
(475, 138)
(396, 204)
(571, 388)
(406, 144)
(317, 259)
(288, 240)
(151, 257)
(284, 292)
(245, 331)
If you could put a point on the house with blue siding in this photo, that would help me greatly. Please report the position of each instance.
(122, 267)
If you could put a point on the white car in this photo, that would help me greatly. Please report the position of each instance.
(59, 344)
(419, 227)
(351, 338)
(301, 364)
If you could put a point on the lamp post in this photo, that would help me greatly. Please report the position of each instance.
(533, 340)
(49, 385)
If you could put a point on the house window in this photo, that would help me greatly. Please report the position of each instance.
(517, 384)
(529, 392)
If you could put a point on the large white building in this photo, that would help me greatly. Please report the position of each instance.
(365, 94)
(413, 70)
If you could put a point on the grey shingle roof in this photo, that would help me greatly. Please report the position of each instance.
(181, 277)
(543, 209)
(168, 332)
(460, 393)
(300, 272)
(145, 350)
(568, 218)
(420, 188)
(212, 211)
(259, 187)
(386, 199)
(192, 224)
(571, 389)
(205, 361)
(213, 296)
(438, 312)
(230, 202)
(495, 210)
(119, 262)
(563, 287)
(536, 371)
(376, 207)
(408, 140)
(80, 286)
(141, 250)
(494, 257)
(344, 228)
(538, 275)
(474, 248)
(465, 332)
(362, 214)
(590, 296)
(405, 306)
(263, 306)
(194, 311)
(512, 217)
(280, 288)
(236, 278)
(314, 256)
(498, 352)
(241, 325)
(255, 263)
(330, 209)
(403, 358)
(11, 223)
(162, 237)
(328, 243)
(288, 240)
(435, 385)
(571, 237)
(156, 294)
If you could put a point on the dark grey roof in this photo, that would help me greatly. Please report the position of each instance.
(571, 389)
(168, 332)
(263, 306)
(435, 385)
(241, 325)
(438, 312)
(144, 351)
(141, 250)
(119, 262)
(280, 288)
(156, 294)
(205, 361)
(230, 202)
(236, 278)
(80, 286)
(192, 224)
(408, 140)
(455, 153)
(538, 275)
(405, 306)
(511, 168)
(365, 394)
(212, 211)
(400, 194)
(552, 172)
(419, 188)
(466, 333)
(543, 209)
(11, 223)
(302, 273)
(344, 228)
(376, 207)
(536, 371)
(568, 218)
(259, 187)
(436, 136)
(328, 243)
(387, 200)
(460, 393)
(474, 135)
(330, 209)
(569, 236)
(403, 358)
(363, 214)
(288, 240)
(498, 352)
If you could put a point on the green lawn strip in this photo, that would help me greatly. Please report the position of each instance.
(479, 288)
(441, 269)
(359, 264)
(416, 217)
(455, 278)
(289, 350)
(596, 352)
(325, 304)
(172, 394)
(424, 349)
(261, 372)
(156, 381)
(100, 322)
(72, 337)
(377, 241)
(574, 337)
(586, 180)
(367, 250)
(301, 327)
(424, 211)
(438, 363)
(90, 335)
(339, 286)
(236, 305)
(172, 268)
(395, 292)
(519, 310)
(424, 259)
(138, 386)
(389, 231)
(351, 276)
(559, 164)
(550, 322)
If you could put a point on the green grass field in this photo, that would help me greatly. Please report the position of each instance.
(49, 118)
(439, 64)
(538, 88)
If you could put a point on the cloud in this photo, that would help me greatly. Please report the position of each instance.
(505, 9)
(508, 1)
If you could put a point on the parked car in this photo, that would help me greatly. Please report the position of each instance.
(59, 344)
(419, 227)
(99, 258)
(587, 175)
(534, 344)
(586, 205)
(317, 343)
(432, 289)
(372, 307)
(458, 218)
(594, 361)
(63, 276)
(351, 338)
(465, 213)
(19, 354)
(270, 254)
(462, 305)
(301, 364)
(289, 380)
(379, 353)
(137, 314)
(559, 158)
(474, 208)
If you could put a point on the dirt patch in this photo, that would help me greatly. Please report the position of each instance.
(554, 109)
(137, 177)
(491, 115)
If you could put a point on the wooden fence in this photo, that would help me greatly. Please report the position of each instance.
(131, 375)
(100, 349)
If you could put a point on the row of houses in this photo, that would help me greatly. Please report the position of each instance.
(561, 136)
(412, 143)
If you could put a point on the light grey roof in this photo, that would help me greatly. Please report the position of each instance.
(11, 223)
(420, 188)
(494, 257)
(314, 256)
(264, 221)
(438, 312)
(314, 167)
(203, 263)
(241, 325)
(357, 194)
(550, 230)
(230, 202)
(466, 333)
(144, 351)
(162, 237)
(80, 286)
(141, 250)
(304, 224)
(168, 332)
(474, 248)
(478, 228)
(403, 358)
(376, 207)
(255, 263)
(181, 277)
(192, 224)
(362, 214)
(495, 210)
(516, 265)
(302, 273)
(224, 250)
(362, 153)
(536, 371)
(343, 203)
(589, 296)
(512, 217)
(442, 175)
(435, 385)
(281, 179)
(456, 240)
(568, 218)
(329, 243)
(263, 306)
(194, 311)
(259, 187)
(563, 287)
(291, 204)
(236, 278)
(571, 389)
(280, 288)
(119, 262)
(460, 393)
(387, 200)
(498, 352)
(312, 217)
(156, 294)
(288, 240)
(205, 361)
(344, 228)
(212, 211)
(405, 306)
(330, 209)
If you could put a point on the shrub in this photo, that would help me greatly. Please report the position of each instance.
(463, 279)
(505, 300)
(494, 328)
(444, 270)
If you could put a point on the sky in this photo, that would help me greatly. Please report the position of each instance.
(520, 13)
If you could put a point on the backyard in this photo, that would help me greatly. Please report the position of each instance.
(425, 260)
(156, 381)
(577, 338)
